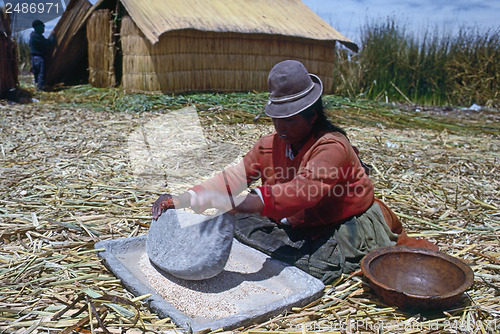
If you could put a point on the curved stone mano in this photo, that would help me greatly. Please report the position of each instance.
(190, 246)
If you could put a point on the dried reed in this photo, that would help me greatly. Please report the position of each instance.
(8, 56)
(66, 183)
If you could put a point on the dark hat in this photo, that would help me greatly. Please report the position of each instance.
(37, 23)
(292, 89)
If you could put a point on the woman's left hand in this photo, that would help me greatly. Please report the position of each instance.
(212, 199)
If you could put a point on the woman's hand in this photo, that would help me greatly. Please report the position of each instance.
(164, 202)
(208, 199)
(167, 201)
(211, 199)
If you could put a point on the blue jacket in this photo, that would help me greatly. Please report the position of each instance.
(39, 45)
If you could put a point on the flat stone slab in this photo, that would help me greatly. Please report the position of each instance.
(190, 246)
(252, 288)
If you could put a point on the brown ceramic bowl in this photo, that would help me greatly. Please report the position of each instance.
(416, 278)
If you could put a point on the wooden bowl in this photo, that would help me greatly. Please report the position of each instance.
(416, 278)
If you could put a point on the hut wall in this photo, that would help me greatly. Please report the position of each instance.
(192, 60)
(101, 49)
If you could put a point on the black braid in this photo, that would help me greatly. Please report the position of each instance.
(322, 124)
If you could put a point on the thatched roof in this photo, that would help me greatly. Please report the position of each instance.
(68, 62)
(5, 23)
(277, 17)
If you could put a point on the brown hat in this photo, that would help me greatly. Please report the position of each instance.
(292, 89)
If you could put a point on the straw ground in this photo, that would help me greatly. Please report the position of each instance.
(66, 183)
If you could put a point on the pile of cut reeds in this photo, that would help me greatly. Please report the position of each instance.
(67, 183)
(8, 58)
(101, 49)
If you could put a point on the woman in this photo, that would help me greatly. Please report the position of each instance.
(315, 208)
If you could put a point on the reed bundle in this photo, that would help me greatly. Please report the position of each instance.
(192, 60)
(101, 49)
(66, 183)
(8, 56)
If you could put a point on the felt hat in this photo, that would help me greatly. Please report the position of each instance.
(292, 89)
(37, 23)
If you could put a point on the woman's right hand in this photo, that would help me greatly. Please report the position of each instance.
(164, 202)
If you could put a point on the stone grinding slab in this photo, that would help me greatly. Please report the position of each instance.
(252, 288)
(190, 246)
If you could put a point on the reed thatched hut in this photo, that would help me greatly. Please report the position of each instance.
(213, 45)
(8, 56)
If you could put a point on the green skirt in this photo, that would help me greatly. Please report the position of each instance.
(335, 251)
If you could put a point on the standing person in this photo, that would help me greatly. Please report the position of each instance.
(40, 48)
(316, 207)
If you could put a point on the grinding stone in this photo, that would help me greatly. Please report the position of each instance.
(190, 246)
(280, 287)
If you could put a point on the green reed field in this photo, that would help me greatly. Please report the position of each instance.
(434, 68)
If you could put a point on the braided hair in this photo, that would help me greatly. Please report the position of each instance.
(322, 124)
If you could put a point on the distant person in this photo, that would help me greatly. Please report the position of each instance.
(40, 48)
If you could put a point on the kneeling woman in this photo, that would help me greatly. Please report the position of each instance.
(315, 207)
